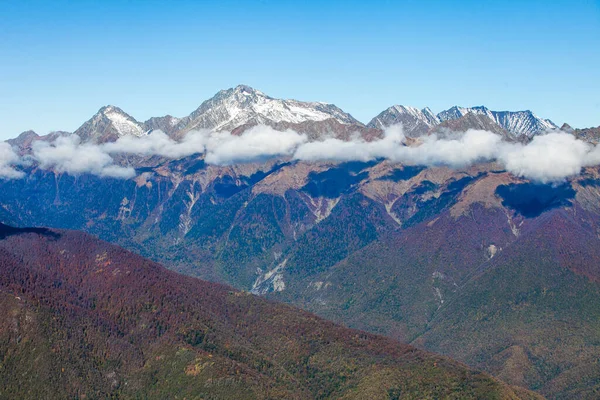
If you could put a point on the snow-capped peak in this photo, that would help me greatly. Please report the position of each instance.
(413, 120)
(241, 105)
(520, 123)
(108, 124)
(122, 122)
(431, 117)
(246, 90)
(457, 112)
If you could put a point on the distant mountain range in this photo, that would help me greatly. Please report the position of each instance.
(239, 108)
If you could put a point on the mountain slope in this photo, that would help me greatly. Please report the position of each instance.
(88, 319)
(532, 317)
(500, 274)
(377, 246)
(417, 122)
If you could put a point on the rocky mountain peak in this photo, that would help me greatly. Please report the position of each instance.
(519, 123)
(472, 120)
(566, 128)
(108, 124)
(243, 105)
(414, 121)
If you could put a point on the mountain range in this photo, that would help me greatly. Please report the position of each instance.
(473, 262)
(242, 107)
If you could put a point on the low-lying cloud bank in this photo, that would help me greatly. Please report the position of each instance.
(8, 160)
(68, 154)
(547, 158)
(466, 149)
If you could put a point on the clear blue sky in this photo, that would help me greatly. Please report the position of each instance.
(60, 61)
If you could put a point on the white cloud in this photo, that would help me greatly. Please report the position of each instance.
(158, 143)
(8, 159)
(220, 147)
(473, 146)
(547, 158)
(257, 143)
(68, 154)
(355, 150)
(469, 148)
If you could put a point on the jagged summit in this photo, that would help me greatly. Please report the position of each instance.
(168, 124)
(430, 115)
(566, 128)
(519, 123)
(243, 105)
(472, 121)
(457, 112)
(108, 124)
(415, 122)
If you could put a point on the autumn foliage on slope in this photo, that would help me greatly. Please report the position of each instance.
(85, 319)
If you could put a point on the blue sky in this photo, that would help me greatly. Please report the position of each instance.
(60, 61)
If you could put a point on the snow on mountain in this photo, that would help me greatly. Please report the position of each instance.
(123, 123)
(523, 122)
(471, 120)
(519, 123)
(238, 109)
(457, 112)
(168, 124)
(108, 124)
(415, 122)
(431, 117)
(243, 105)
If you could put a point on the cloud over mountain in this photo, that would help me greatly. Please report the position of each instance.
(68, 154)
(257, 143)
(547, 158)
(220, 148)
(158, 144)
(8, 159)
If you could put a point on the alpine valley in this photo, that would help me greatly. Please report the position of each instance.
(474, 263)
